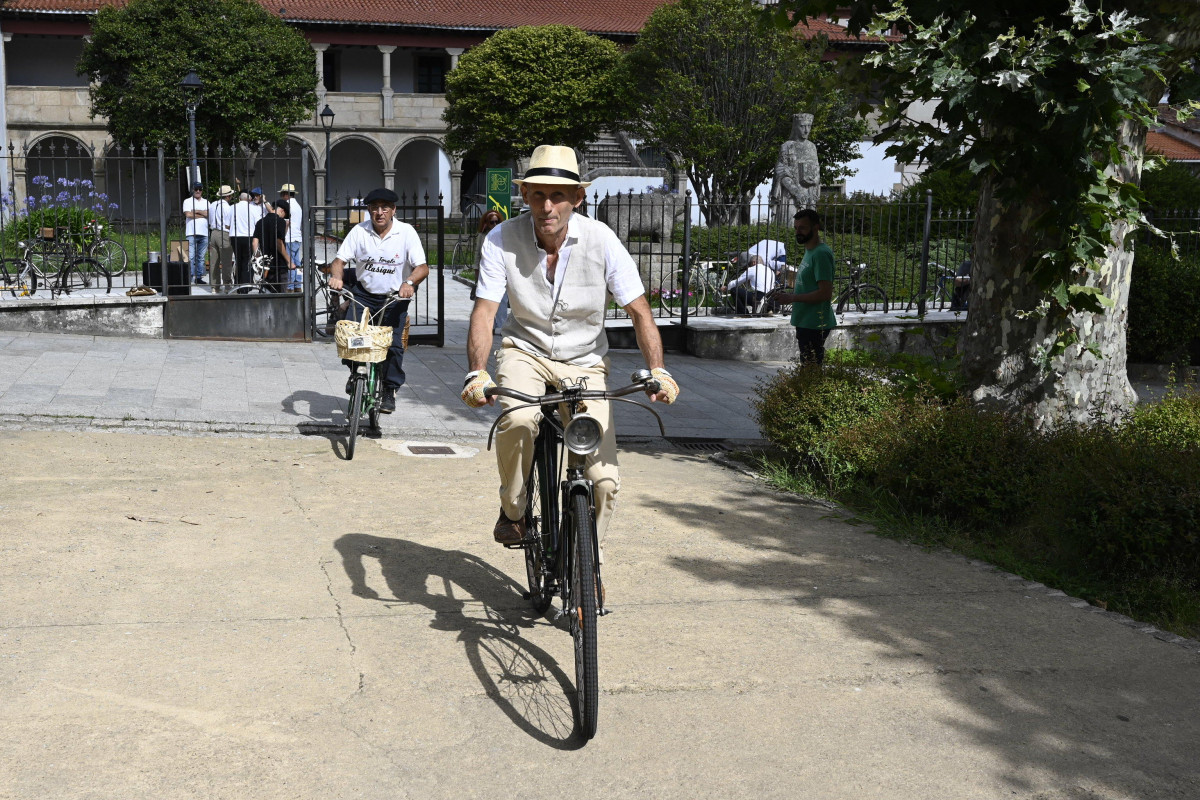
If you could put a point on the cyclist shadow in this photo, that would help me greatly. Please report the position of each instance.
(315, 408)
(522, 679)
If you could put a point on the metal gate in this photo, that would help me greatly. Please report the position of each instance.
(426, 313)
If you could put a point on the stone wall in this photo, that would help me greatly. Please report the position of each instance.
(139, 317)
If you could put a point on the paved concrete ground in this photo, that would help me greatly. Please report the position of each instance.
(211, 617)
(289, 387)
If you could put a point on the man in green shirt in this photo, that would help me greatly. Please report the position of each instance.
(812, 311)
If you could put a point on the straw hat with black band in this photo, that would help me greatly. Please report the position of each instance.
(553, 164)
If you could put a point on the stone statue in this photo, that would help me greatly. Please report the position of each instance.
(797, 172)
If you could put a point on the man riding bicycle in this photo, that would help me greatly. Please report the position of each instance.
(390, 257)
(559, 270)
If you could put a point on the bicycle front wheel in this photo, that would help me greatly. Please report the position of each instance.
(869, 297)
(583, 613)
(541, 520)
(354, 413)
(374, 397)
(462, 257)
(672, 295)
(18, 277)
(83, 273)
(111, 255)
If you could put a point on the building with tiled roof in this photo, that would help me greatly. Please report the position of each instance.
(381, 69)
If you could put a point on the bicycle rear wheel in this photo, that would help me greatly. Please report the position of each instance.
(869, 297)
(354, 413)
(672, 296)
(18, 277)
(541, 520)
(111, 255)
(49, 258)
(582, 609)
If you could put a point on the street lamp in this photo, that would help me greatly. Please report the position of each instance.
(327, 123)
(193, 88)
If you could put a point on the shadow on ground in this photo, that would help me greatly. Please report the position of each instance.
(1048, 697)
(524, 681)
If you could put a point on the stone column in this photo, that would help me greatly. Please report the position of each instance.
(388, 110)
(7, 37)
(455, 183)
(454, 52)
(389, 179)
(319, 49)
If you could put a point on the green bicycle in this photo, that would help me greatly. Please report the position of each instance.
(367, 344)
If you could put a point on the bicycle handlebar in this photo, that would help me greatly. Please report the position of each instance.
(642, 382)
(649, 385)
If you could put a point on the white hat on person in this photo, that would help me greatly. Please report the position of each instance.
(551, 163)
(225, 190)
(290, 188)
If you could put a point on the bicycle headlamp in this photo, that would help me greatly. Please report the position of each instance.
(583, 434)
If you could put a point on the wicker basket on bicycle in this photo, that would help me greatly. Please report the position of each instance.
(373, 340)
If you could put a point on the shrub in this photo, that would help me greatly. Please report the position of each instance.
(1123, 508)
(1164, 306)
(803, 409)
(62, 203)
(1171, 186)
(1111, 513)
(1172, 423)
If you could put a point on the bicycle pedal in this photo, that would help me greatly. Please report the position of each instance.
(515, 545)
(604, 612)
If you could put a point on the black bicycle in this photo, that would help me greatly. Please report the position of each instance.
(864, 296)
(562, 551)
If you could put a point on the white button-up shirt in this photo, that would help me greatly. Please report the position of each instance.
(620, 271)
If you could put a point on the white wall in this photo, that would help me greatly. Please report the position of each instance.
(876, 172)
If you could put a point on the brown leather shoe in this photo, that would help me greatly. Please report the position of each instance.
(508, 531)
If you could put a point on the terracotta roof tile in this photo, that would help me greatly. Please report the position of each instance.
(611, 16)
(608, 16)
(1172, 148)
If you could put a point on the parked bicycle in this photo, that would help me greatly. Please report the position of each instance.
(22, 276)
(265, 277)
(561, 545)
(864, 296)
(93, 242)
(367, 344)
(706, 282)
(462, 255)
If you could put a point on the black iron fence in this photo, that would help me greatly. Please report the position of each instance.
(909, 250)
(74, 221)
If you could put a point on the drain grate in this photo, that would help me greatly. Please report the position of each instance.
(700, 445)
(430, 450)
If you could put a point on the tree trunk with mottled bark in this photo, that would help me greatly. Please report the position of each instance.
(1007, 340)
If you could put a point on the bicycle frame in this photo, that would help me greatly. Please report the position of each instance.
(568, 399)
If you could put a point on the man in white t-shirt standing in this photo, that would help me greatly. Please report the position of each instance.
(390, 258)
(220, 217)
(295, 233)
(560, 269)
(195, 212)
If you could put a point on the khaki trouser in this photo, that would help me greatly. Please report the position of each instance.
(221, 273)
(528, 373)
